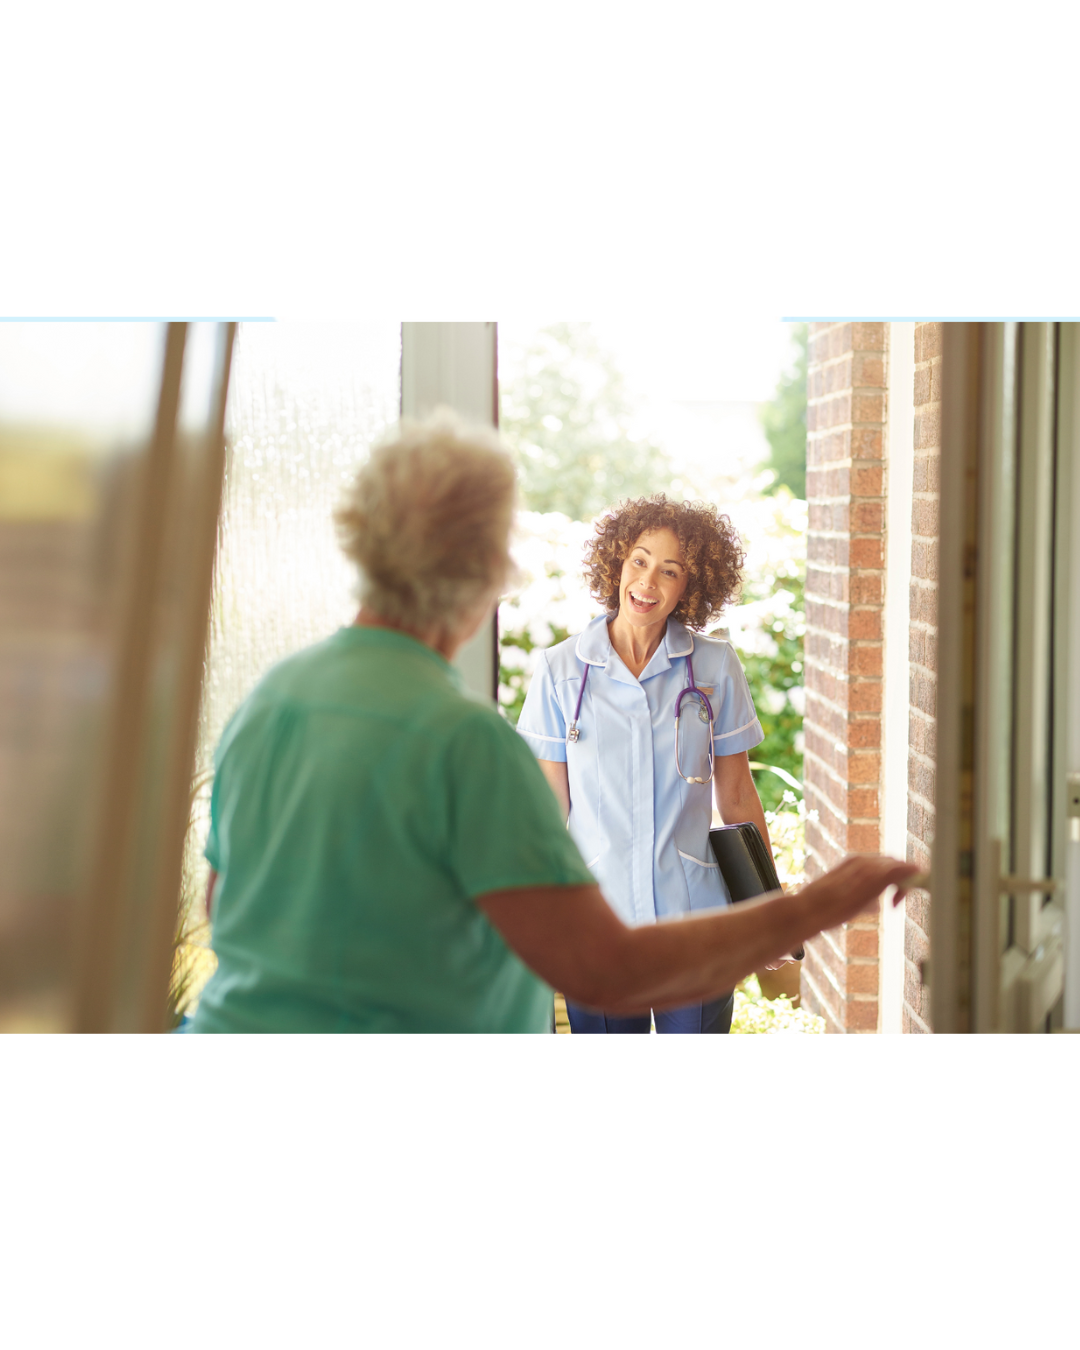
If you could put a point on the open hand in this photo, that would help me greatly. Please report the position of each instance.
(853, 885)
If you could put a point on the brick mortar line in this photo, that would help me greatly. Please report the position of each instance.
(848, 352)
(916, 1018)
(817, 982)
(841, 606)
(824, 803)
(821, 999)
(845, 677)
(836, 847)
(848, 497)
(844, 683)
(833, 775)
(822, 826)
(856, 717)
(849, 722)
(822, 432)
(831, 942)
(829, 977)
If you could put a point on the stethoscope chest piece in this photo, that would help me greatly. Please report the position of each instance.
(705, 713)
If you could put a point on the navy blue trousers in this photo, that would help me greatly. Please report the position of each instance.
(698, 1018)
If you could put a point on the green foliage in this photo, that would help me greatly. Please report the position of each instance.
(772, 677)
(756, 1015)
(567, 417)
(514, 671)
(784, 422)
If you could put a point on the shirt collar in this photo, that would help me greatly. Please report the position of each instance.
(595, 649)
(593, 644)
(405, 643)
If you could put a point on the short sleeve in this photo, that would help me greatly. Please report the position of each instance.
(542, 722)
(505, 826)
(736, 727)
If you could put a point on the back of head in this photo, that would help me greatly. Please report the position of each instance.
(427, 521)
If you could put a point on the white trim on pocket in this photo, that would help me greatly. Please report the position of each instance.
(590, 865)
(690, 858)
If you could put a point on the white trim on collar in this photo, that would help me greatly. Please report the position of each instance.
(677, 634)
(594, 645)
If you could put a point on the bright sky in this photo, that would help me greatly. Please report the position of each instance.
(671, 364)
(706, 359)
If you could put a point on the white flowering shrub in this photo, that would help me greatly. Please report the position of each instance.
(756, 1015)
(549, 603)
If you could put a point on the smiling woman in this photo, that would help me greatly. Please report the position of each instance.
(635, 718)
(710, 554)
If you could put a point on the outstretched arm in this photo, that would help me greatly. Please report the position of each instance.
(572, 938)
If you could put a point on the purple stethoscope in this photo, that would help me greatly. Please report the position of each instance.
(705, 713)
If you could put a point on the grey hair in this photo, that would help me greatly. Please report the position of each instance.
(427, 522)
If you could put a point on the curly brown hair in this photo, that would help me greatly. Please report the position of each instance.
(711, 547)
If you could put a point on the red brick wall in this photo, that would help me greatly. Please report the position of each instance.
(844, 611)
(923, 654)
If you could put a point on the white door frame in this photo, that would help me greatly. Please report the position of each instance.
(900, 467)
(455, 365)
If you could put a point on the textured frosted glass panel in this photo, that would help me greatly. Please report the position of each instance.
(305, 403)
(77, 410)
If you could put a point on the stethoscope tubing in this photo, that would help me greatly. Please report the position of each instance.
(574, 732)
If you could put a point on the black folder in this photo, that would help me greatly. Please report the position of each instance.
(745, 863)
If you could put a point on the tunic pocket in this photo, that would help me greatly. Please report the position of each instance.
(704, 884)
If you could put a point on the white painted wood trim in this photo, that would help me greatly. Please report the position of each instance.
(900, 463)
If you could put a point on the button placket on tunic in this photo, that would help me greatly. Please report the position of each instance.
(642, 830)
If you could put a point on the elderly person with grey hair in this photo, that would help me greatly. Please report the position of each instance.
(386, 854)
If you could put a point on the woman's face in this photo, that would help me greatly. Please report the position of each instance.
(653, 580)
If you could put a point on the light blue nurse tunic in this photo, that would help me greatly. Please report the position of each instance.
(641, 829)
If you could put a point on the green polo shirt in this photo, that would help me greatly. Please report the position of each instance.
(361, 802)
